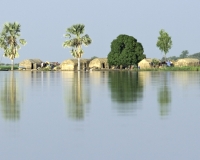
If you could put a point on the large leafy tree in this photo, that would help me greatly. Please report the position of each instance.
(10, 42)
(164, 42)
(75, 40)
(125, 50)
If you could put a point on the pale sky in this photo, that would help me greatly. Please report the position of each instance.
(43, 23)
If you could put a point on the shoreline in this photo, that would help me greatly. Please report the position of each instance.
(114, 70)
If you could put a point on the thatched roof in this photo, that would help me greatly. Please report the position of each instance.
(145, 63)
(31, 61)
(103, 60)
(75, 61)
(99, 63)
(187, 62)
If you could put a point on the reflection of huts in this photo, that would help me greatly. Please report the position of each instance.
(145, 63)
(30, 63)
(99, 63)
(72, 64)
(187, 62)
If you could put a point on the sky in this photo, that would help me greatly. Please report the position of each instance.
(44, 22)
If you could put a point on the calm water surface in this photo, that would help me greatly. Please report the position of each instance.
(99, 115)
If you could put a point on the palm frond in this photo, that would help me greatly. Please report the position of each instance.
(67, 35)
(86, 40)
(23, 41)
(76, 29)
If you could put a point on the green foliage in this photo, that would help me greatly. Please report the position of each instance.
(155, 62)
(164, 42)
(9, 40)
(8, 67)
(125, 50)
(185, 68)
(184, 54)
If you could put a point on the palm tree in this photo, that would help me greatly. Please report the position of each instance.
(75, 41)
(9, 41)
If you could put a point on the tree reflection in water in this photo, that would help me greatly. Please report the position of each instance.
(164, 99)
(76, 97)
(126, 88)
(164, 96)
(10, 98)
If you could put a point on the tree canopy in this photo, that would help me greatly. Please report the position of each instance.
(164, 42)
(125, 50)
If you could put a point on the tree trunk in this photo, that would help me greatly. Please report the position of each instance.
(78, 64)
(12, 64)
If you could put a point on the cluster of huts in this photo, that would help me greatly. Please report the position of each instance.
(100, 63)
(69, 64)
(146, 63)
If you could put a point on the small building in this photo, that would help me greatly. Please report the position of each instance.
(99, 63)
(187, 62)
(72, 64)
(30, 63)
(145, 63)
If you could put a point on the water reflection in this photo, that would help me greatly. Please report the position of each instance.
(10, 98)
(164, 94)
(76, 95)
(126, 88)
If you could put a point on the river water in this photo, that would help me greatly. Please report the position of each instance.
(99, 115)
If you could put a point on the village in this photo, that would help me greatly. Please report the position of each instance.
(102, 63)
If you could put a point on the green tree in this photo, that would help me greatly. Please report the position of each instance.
(75, 41)
(164, 42)
(155, 62)
(125, 50)
(9, 41)
(184, 54)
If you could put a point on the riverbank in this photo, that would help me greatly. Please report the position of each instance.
(184, 68)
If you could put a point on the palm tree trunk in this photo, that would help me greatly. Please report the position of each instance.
(78, 64)
(12, 64)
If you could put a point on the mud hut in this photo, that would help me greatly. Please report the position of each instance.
(72, 64)
(187, 62)
(145, 63)
(99, 63)
(30, 63)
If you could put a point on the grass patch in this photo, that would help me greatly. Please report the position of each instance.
(185, 68)
(6, 67)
